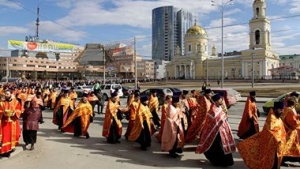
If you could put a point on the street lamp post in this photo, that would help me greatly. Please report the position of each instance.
(135, 65)
(207, 71)
(103, 64)
(222, 7)
(252, 80)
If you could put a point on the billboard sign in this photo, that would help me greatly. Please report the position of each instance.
(39, 46)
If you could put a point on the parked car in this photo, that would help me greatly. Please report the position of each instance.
(231, 96)
(127, 90)
(79, 89)
(161, 93)
(107, 89)
(176, 91)
(269, 104)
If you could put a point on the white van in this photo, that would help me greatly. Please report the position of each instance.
(107, 89)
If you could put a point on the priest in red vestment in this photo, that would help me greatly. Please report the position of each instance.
(249, 122)
(216, 140)
(10, 131)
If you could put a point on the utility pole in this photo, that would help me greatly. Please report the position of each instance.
(135, 64)
(252, 81)
(7, 71)
(103, 64)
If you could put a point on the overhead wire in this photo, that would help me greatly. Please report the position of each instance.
(130, 40)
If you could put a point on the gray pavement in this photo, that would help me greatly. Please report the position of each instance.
(61, 150)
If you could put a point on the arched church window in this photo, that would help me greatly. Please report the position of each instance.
(198, 47)
(257, 12)
(190, 48)
(257, 37)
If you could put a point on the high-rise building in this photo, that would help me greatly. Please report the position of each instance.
(169, 25)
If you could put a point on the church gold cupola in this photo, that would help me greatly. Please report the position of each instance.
(260, 27)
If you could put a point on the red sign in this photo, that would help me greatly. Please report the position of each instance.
(32, 45)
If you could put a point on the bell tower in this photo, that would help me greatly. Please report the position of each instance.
(260, 28)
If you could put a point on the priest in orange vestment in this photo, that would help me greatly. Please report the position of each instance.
(172, 139)
(154, 106)
(249, 122)
(22, 97)
(202, 108)
(265, 149)
(73, 96)
(292, 125)
(112, 126)
(164, 110)
(79, 121)
(10, 131)
(63, 109)
(216, 140)
(133, 108)
(141, 131)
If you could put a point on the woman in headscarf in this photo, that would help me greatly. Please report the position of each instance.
(31, 117)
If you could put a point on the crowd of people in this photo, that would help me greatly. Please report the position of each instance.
(194, 116)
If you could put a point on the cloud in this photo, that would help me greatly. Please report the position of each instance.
(9, 30)
(61, 32)
(9, 4)
(136, 13)
(295, 6)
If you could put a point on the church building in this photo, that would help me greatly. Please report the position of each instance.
(196, 63)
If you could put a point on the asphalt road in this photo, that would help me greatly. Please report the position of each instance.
(62, 151)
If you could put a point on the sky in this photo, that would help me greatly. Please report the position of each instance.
(111, 21)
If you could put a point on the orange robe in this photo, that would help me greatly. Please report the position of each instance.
(143, 114)
(73, 96)
(216, 122)
(249, 115)
(258, 151)
(153, 104)
(110, 115)
(292, 124)
(23, 97)
(10, 129)
(196, 126)
(45, 96)
(164, 110)
(52, 98)
(173, 129)
(85, 112)
(66, 103)
(92, 98)
(193, 109)
(133, 111)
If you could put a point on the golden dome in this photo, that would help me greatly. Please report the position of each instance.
(196, 30)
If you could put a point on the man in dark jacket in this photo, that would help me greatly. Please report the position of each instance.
(100, 103)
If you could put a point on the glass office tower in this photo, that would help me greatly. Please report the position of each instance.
(169, 25)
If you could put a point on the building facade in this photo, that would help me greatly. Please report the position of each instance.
(119, 62)
(169, 25)
(83, 63)
(197, 64)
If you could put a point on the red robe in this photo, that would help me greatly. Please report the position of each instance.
(10, 129)
(250, 112)
(216, 122)
(196, 126)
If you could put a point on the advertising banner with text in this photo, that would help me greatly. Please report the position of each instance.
(40, 47)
